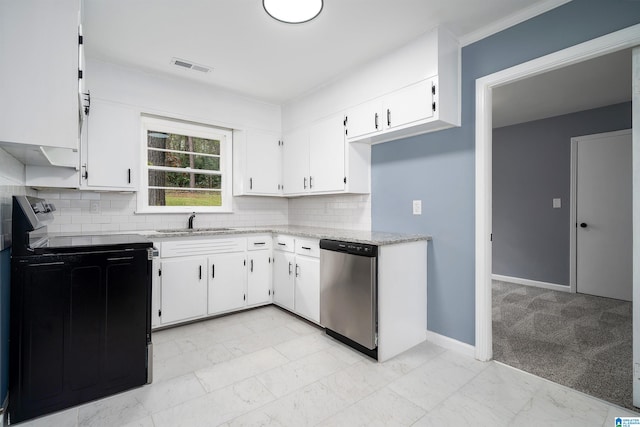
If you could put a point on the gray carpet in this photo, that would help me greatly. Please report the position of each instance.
(581, 341)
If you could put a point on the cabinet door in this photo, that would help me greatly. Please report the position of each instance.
(296, 162)
(227, 282)
(184, 289)
(39, 72)
(259, 277)
(113, 141)
(410, 104)
(326, 155)
(283, 279)
(364, 120)
(307, 288)
(264, 162)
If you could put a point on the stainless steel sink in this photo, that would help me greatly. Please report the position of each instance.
(194, 230)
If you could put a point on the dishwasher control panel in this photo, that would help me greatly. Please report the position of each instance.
(353, 248)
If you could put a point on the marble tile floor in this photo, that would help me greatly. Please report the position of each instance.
(266, 367)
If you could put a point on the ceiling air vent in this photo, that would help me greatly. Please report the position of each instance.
(190, 65)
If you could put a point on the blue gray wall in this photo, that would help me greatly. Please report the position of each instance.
(531, 166)
(438, 168)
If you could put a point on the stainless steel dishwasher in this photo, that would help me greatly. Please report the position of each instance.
(348, 293)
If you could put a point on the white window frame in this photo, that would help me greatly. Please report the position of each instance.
(168, 125)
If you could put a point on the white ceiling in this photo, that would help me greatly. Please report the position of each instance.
(253, 54)
(601, 81)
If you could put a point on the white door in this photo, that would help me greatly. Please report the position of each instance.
(307, 289)
(112, 145)
(227, 278)
(264, 162)
(295, 156)
(603, 215)
(636, 221)
(364, 120)
(326, 155)
(283, 266)
(410, 104)
(259, 277)
(184, 289)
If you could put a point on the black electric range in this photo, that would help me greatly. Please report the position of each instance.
(80, 322)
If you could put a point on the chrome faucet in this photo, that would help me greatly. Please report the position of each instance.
(193, 215)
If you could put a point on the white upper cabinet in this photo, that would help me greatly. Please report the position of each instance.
(412, 90)
(409, 105)
(326, 155)
(110, 154)
(258, 163)
(296, 162)
(317, 160)
(364, 120)
(39, 71)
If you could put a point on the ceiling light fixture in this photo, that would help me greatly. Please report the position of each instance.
(293, 11)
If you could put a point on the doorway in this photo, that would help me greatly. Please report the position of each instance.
(623, 39)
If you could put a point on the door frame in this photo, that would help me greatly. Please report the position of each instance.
(573, 208)
(619, 40)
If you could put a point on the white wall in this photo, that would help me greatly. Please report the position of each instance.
(11, 182)
(179, 98)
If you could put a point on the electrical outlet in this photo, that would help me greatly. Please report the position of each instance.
(557, 203)
(417, 207)
(94, 207)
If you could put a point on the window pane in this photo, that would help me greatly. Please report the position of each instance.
(165, 197)
(172, 141)
(184, 180)
(180, 160)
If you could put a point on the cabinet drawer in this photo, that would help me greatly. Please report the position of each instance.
(174, 248)
(255, 243)
(308, 247)
(284, 243)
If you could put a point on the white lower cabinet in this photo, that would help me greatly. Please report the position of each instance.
(259, 277)
(227, 282)
(184, 289)
(307, 288)
(197, 277)
(296, 276)
(283, 278)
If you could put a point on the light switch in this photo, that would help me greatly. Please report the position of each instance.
(557, 204)
(94, 207)
(417, 207)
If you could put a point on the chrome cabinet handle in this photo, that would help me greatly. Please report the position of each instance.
(297, 270)
(251, 266)
(310, 182)
(305, 182)
(376, 120)
(289, 269)
(388, 117)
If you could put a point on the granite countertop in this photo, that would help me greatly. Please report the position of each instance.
(371, 237)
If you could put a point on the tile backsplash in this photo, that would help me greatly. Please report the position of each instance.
(117, 212)
(351, 212)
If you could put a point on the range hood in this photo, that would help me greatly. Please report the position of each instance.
(38, 155)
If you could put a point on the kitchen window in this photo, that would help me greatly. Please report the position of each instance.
(186, 167)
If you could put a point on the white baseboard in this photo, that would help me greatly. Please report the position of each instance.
(451, 344)
(534, 283)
